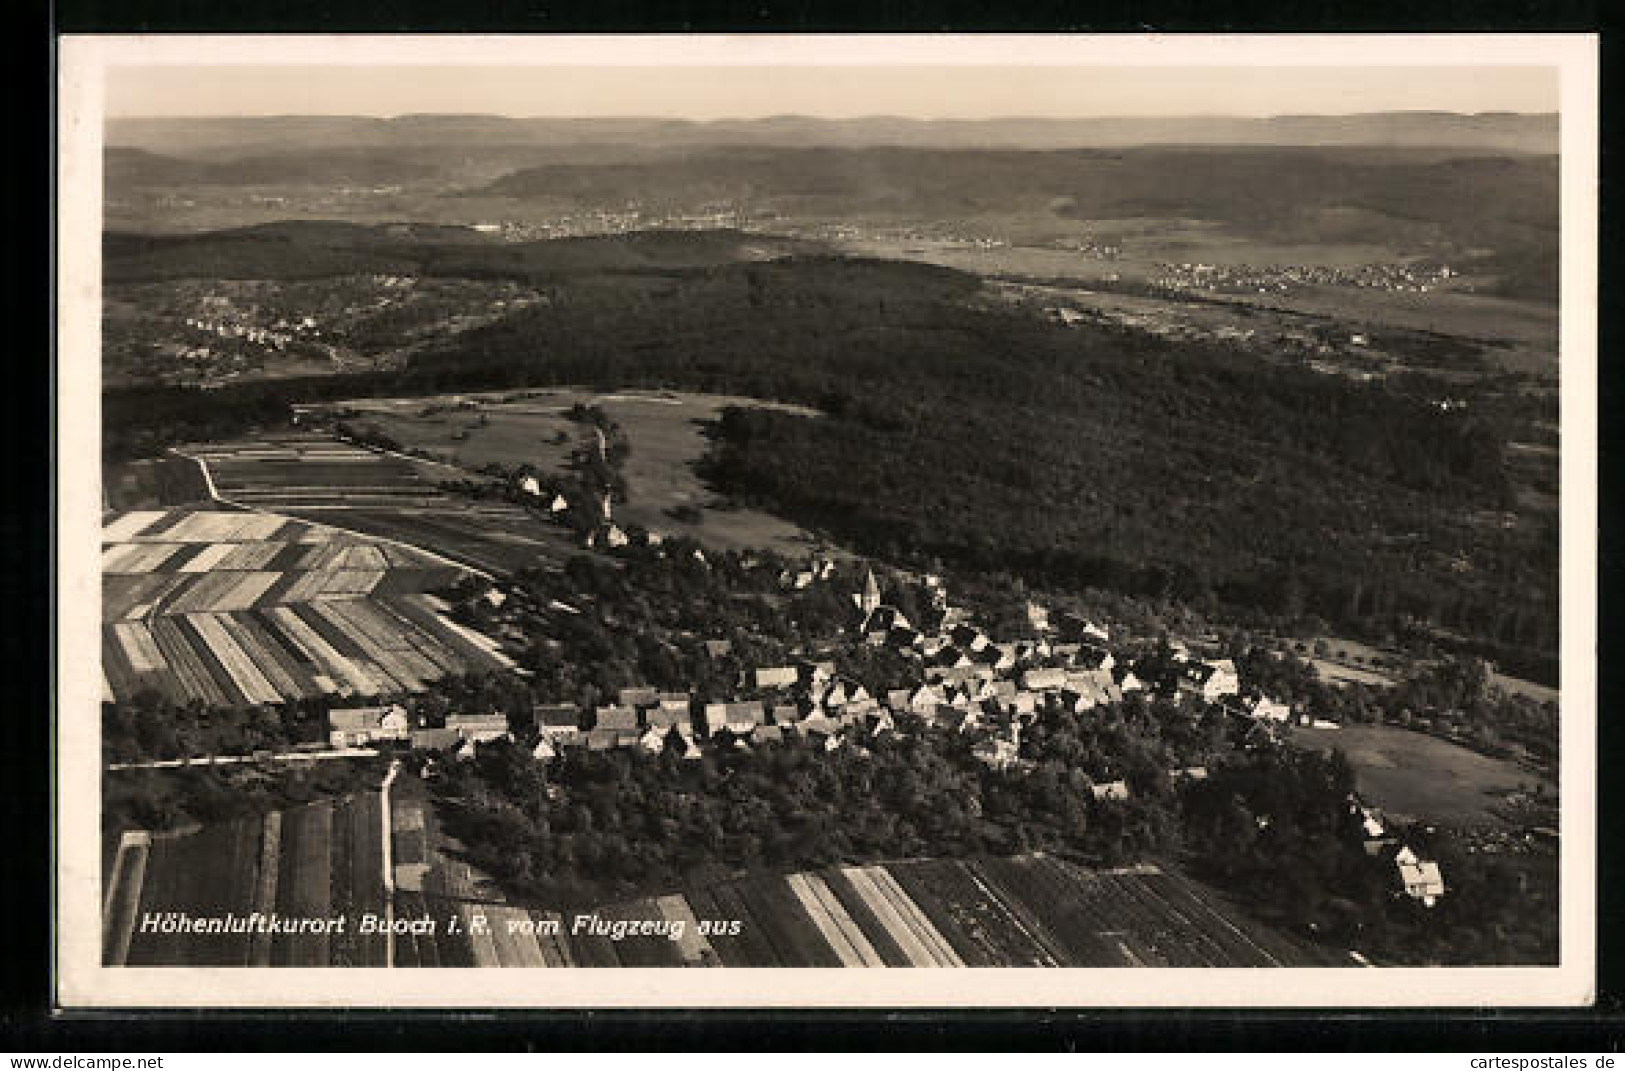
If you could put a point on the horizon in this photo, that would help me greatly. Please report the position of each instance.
(715, 93)
(868, 118)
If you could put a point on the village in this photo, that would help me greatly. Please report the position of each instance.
(984, 690)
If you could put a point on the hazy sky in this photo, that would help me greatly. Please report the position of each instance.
(711, 92)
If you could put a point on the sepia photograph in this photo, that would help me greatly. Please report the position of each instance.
(1105, 511)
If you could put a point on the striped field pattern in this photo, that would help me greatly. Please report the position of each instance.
(242, 609)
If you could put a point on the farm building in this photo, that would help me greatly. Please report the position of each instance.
(718, 648)
(353, 726)
(480, 727)
(1111, 790)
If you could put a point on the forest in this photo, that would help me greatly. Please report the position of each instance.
(982, 437)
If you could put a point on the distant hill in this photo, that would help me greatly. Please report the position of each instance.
(125, 168)
(1387, 197)
(309, 249)
(232, 137)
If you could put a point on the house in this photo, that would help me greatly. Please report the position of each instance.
(1076, 626)
(968, 637)
(897, 699)
(653, 741)
(1267, 709)
(558, 505)
(560, 721)
(529, 486)
(480, 727)
(614, 537)
(544, 749)
(1024, 703)
(1127, 680)
(1421, 879)
(786, 714)
(1037, 617)
(1209, 680)
(718, 648)
(714, 717)
(926, 698)
(832, 697)
(1043, 680)
(743, 718)
(776, 677)
(353, 726)
(1111, 790)
(637, 697)
(671, 712)
(768, 734)
(615, 718)
(1190, 773)
(434, 739)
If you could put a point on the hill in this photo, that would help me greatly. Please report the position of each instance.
(251, 135)
(304, 249)
(1413, 203)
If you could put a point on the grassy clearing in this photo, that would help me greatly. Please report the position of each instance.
(665, 430)
(1418, 776)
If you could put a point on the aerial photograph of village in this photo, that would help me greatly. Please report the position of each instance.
(702, 527)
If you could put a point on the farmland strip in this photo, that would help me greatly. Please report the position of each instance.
(837, 927)
(124, 897)
(244, 673)
(259, 944)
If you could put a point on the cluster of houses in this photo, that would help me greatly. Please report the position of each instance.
(359, 726)
(1421, 879)
(968, 684)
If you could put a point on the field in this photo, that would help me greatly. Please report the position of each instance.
(323, 479)
(664, 430)
(1415, 776)
(1026, 911)
(245, 608)
(319, 860)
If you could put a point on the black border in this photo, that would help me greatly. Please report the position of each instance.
(26, 1020)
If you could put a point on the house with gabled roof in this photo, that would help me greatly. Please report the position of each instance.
(616, 718)
(897, 698)
(560, 721)
(1267, 709)
(743, 718)
(544, 749)
(1110, 790)
(668, 713)
(1420, 878)
(786, 714)
(653, 740)
(926, 698)
(353, 726)
(1209, 681)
